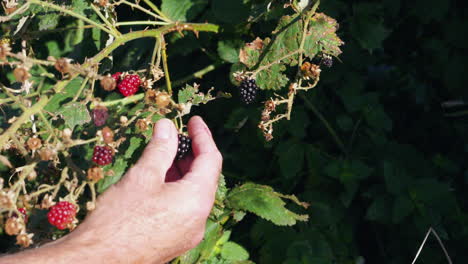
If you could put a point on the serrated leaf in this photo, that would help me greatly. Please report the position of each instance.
(263, 201)
(135, 143)
(182, 10)
(234, 251)
(191, 95)
(75, 114)
(322, 36)
(118, 169)
(68, 92)
(49, 21)
(222, 189)
(291, 158)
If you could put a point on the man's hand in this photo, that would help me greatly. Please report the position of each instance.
(155, 213)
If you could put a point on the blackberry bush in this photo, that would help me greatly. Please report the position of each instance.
(68, 133)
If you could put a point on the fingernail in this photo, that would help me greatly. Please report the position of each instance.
(162, 129)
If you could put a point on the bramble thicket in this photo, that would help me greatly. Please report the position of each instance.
(341, 123)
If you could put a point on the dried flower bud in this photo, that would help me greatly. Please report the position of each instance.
(270, 105)
(142, 124)
(14, 225)
(123, 120)
(4, 50)
(24, 240)
(6, 199)
(163, 99)
(21, 74)
(47, 202)
(62, 65)
(100, 115)
(32, 175)
(46, 154)
(34, 143)
(108, 83)
(150, 96)
(90, 206)
(67, 133)
(310, 70)
(95, 174)
(107, 135)
(103, 3)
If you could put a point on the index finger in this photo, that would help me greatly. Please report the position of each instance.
(207, 162)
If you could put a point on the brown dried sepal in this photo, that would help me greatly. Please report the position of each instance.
(310, 70)
(46, 154)
(24, 240)
(108, 83)
(21, 74)
(14, 226)
(34, 143)
(63, 65)
(107, 135)
(95, 174)
(163, 100)
(142, 124)
(4, 50)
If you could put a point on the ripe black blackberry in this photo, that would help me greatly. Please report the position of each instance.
(248, 91)
(184, 147)
(327, 61)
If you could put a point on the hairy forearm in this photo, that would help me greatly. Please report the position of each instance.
(66, 251)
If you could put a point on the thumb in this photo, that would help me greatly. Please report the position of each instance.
(160, 152)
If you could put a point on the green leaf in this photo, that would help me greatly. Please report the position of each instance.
(263, 201)
(49, 21)
(135, 143)
(75, 114)
(118, 169)
(402, 207)
(182, 10)
(68, 92)
(367, 26)
(233, 251)
(229, 50)
(222, 189)
(190, 95)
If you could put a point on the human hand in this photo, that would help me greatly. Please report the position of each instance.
(155, 213)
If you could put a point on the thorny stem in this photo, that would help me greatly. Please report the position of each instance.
(9, 100)
(83, 85)
(198, 74)
(165, 67)
(137, 23)
(104, 19)
(63, 177)
(71, 13)
(36, 108)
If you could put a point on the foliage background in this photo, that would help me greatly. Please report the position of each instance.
(401, 169)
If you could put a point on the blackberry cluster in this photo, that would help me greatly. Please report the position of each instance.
(327, 61)
(102, 155)
(184, 147)
(61, 214)
(248, 91)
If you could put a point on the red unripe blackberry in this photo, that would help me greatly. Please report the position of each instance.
(100, 115)
(129, 85)
(62, 214)
(116, 77)
(102, 155)
(184, 146)
(248, 91)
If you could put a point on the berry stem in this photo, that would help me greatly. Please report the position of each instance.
(135, 23)
(73, 14)
(36, 108)
(142, 9)
(83, 85)
(104, 19)
(165, 67)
